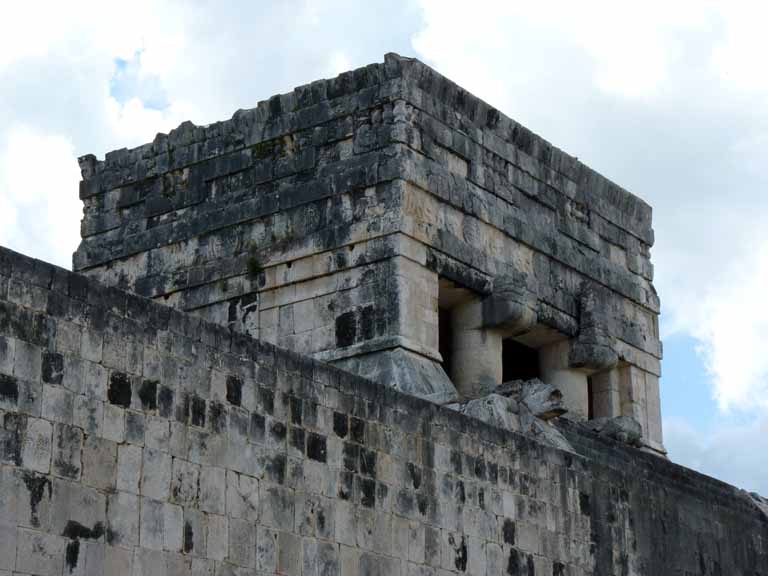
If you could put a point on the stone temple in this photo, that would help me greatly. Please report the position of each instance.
(372, 326)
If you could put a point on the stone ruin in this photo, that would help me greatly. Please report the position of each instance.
(372, 326)
(405, 231)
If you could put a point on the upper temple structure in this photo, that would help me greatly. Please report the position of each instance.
(390, 223)
(372, 327)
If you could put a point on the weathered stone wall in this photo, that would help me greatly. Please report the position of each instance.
(137, 439)
(331, 221)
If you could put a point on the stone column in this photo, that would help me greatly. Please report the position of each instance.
(477, 359)
(632, 393)
(639, 393)
(653, 407)
(606, 401)
(554, 369)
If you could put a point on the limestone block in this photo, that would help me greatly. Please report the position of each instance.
(382, 533)
(345, 523)
(58, 404)
(173, 527)
(319, 558)
(88, 414)
(178, 440)
(78, 504)
(242, 543)
(91, 557)
(213, 488)
(349, 560)
(157, 433)
(36, 453)
(134, 427)
(378, 565)
(303, 316)
(129, 459)
(218, 537)
(276, 507)
(156, 474)
(242, 496)
(72, 373)
(151, 526)
(122, 520)
(30, 398)
(195, 532)
(25, 499)
(118, 560)
(148, 562)
(114, 423)
(527, 537)
(99, 463)
(7, 545)
(67, 449)
(40, 553)
(9, 392)
(7, 351)
(288, 554)
(95, 383)
(114, 352)
(266, 550)
(91, 344)
(184, 481)
(27, 362)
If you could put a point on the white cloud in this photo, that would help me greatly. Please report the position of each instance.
(337, 64)
(133, 123)
(737, 56)
(38, 213)
(628, 47)
(734, 327)
(731, 452)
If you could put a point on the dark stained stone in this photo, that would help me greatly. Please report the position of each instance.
(53, 367)
(316, 447)
(234, 390)
(119, 390)
(148, 394)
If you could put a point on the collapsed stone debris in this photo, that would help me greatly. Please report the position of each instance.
(521, 406)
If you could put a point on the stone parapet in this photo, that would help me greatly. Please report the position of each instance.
(138, 439)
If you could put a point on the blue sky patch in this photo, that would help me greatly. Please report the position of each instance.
(686, 387)
(128, 82)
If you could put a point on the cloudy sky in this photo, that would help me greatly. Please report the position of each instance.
(670, 99)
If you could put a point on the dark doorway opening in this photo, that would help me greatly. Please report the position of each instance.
(519, 362)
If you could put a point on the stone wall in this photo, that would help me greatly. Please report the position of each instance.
(333, 220)
(137, 439)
